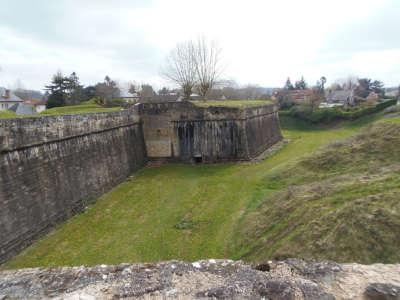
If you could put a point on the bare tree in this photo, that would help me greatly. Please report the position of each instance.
(180, 67)
(107, 91)
(146, 92)
(208, 65)
(315, 98)
(349, 83)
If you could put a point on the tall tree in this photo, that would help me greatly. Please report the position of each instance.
(207, 57)
(64, 90)
(180, 67)
(377, 87)
(89, 92)
(133, 89)
(398, 93)
(288, 85)
(366, 86)
(301, 84)
(322, 81)
(315, 97)
(57, 90)
(107, 91)
(74, 90)
(164, 91)
(146, 92)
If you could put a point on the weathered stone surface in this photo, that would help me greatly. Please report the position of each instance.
(382, 291)
(26, 132)
(51, 168)
(216, 279)
(181, 131)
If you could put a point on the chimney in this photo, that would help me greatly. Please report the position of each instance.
(7, 94)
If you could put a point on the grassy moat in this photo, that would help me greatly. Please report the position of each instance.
(323, 195)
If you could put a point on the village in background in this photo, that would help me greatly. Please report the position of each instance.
(348, 93)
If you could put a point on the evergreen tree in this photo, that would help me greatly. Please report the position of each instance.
(57, 90)
(163, 92)
(301, 84)
(64, 90)
(377, 87)
(322, 83)
(288, 85)
(74, 91)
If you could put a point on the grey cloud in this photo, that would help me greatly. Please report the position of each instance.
(379, 32)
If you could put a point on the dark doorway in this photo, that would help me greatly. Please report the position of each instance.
(198, 159)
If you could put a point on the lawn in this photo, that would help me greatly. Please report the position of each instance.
(174, 211)
(340, 204)
(86, 107)
(83, 108)
(7, 114)
(231, 103)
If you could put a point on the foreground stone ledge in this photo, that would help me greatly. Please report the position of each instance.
(290, 279)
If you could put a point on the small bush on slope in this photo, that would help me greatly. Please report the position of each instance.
(340, 203)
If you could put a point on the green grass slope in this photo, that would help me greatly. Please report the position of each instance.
(85, 107)
(7, 114)
(192, 212)
(340, 203)
(231, 103)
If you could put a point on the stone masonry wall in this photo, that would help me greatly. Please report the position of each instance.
(181, 131)
(262, 129)
(51, 167)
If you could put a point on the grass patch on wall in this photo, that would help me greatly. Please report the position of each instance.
(83, 108)
(7, 114)
(231, 103)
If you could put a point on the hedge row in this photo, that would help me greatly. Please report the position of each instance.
(326, 115)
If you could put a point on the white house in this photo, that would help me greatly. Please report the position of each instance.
(345, 97)
(39, 105)
(8, 99)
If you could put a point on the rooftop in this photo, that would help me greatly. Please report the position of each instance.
(7, 96)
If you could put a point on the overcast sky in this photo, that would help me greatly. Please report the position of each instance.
(263, 41)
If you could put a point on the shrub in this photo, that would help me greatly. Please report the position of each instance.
(327, 115)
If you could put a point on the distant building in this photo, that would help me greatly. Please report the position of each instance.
(343, 97)
(128, 96)
(23, 109)
(373, 97)
(195, 96)
(39, 105)
(392, 92)
(300, 96)
(8, 99)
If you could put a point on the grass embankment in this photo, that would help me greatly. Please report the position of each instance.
(231, 103)
(83, 108)
(191, 212)
(7, 114)
(341, 203)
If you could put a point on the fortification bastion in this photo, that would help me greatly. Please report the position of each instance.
(52, 167)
